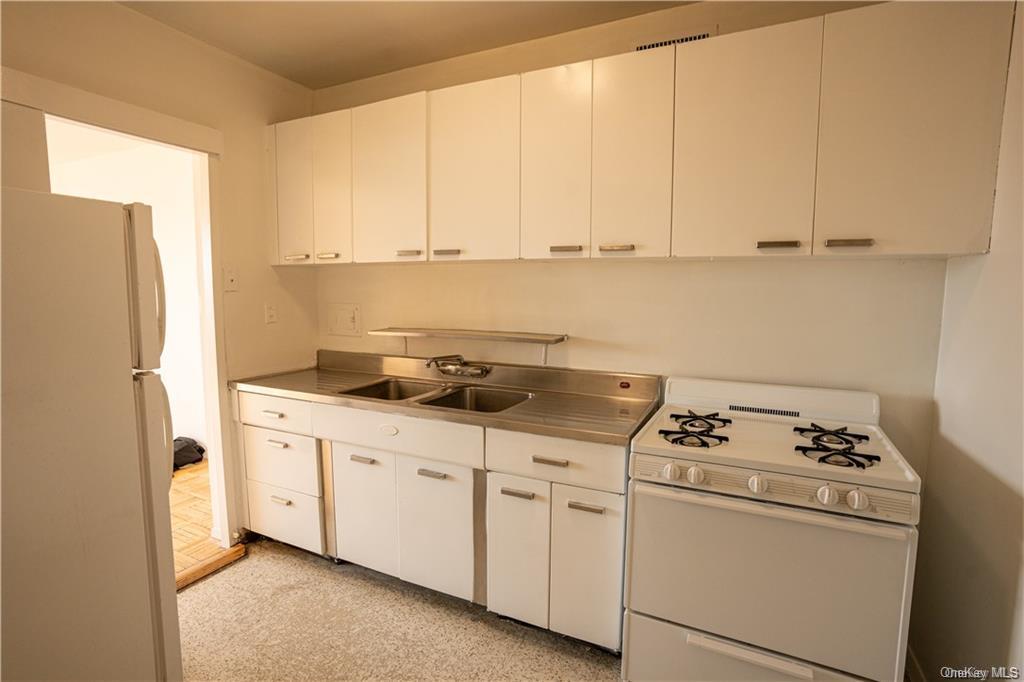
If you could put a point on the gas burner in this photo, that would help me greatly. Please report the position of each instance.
(693, 439)
(701, 423)
(840, 457)
(831, 438)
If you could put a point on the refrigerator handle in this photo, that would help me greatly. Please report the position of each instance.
(161, 298)
(168, 430)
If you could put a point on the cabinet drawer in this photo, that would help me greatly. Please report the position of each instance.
(590, 465)
(518, 546)
(282, 459)
(365, 507)
(280, 414)
(587, 534)
(444, 441)
(287, 516)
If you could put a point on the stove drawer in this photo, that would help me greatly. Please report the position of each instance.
(656, 650)
(561, 460)
(820, 587)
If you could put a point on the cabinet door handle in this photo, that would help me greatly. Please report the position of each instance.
(849, 242)
(281, 500)
(273, 415)
(430, 473)
(616, 247)
(296, 256)
(328, 255)
(779, 244)
(408, 252)
(277, 443)
(582, 506)
(550, 461)
(565, 248)
(447, 252)
(512, 492)
(362, 460)
(753, 657)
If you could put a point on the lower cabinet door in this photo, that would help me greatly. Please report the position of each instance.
(435, 525)
(285, 515)
(365, 508)
(518, 547)
(587, 535)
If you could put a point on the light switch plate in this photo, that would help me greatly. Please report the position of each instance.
(269, 314)
(343, 319)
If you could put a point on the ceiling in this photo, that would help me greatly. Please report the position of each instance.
(319, 44)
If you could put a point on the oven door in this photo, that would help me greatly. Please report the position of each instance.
(817, 586)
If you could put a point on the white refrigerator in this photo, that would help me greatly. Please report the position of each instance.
(87, 565)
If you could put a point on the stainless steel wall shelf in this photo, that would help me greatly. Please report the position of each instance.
(544, 340)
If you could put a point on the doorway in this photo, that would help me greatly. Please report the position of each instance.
(97, 163)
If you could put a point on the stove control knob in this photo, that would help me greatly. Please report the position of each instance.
(671, 471)
(858, 500)
(695, 475)
(827, 495)
(758, 484)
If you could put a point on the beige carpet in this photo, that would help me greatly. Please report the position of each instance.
(284, 614)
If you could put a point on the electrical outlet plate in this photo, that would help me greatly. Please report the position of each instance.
(270, 314)
(343, 319)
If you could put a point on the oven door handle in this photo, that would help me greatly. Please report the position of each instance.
(801, 672)
(805, 516)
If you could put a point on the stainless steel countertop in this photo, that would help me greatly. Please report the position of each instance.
(611, 419)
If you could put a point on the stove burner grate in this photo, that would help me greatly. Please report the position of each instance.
(693, 439)
(692, 421)
(835, 446)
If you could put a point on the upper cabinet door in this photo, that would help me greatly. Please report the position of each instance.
(745, 142)
(474, 171)
(557, 110)
(294, 191)
(911, 105)
(632, 162)
(332, 187)
(389, 180)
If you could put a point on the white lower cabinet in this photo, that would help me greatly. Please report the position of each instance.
(587, 535)
(435, 525)
(365, 507)
(518, 547)
(285, 515)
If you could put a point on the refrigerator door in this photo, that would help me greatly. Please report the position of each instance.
(145, 288)
(77, 551)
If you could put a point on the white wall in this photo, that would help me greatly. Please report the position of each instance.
(99, 164)
(969, 598)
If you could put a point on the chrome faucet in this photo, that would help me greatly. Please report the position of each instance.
(456, 365)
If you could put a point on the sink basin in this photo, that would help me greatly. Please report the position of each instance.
(392, 389)
(477, 399)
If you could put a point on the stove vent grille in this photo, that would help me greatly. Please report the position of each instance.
(675, 41)
(765, 410)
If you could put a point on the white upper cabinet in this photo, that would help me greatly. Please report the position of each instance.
(294, 166)
(474, 171)
(911, 106)
(746, 142)
(632, 154)
(557, 109)
(389, 180)
(332, 187)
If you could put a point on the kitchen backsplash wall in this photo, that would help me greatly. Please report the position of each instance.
(871, 325)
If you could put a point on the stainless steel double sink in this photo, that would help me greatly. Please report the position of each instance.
(446, 396)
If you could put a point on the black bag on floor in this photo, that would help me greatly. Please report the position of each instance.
(187, 451)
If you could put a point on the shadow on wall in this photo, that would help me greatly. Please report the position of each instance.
(975, 554)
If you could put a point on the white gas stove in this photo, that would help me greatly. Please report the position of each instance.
(770, 536)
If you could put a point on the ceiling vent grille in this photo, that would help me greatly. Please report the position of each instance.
(764, 410)
(675, 41)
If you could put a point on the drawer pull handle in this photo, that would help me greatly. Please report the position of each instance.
(566, 248)
(849, 242)
(522, 494)
(779, 244)
(389, 429)
(296, 257)
(447, 252)
(276, 443)
(616, 247)
(362, 460)
(408, 252)
(430, 473)
(582, 506)
(752, 657)
(537, 459)
(274, 415)
(329, 255)
(281, 500)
